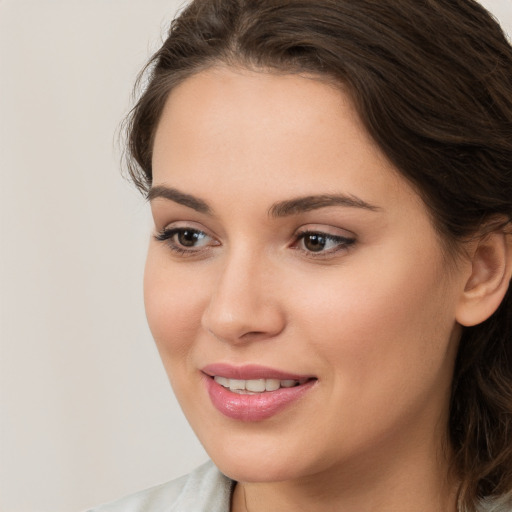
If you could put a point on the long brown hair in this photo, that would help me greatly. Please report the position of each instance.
(432, 82)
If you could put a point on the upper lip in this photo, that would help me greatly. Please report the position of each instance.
(251, 371)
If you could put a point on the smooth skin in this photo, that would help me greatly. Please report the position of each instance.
(367, 300)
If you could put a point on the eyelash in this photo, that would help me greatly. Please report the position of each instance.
(342, 243)
(167, 235)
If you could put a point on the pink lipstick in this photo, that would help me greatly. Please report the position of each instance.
(252, 392)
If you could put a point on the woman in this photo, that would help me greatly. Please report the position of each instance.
(328, 280)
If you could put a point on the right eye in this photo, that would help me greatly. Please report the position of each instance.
(185, 240)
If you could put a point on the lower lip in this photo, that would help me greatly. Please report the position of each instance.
(255, 407)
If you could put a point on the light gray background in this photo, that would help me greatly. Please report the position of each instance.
(86, 411)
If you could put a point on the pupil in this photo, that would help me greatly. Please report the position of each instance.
(188, 238)
(314, 243)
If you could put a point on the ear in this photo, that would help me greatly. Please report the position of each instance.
(491, 271)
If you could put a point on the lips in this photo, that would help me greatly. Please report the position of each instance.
(253, 393)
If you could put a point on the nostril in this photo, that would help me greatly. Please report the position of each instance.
(253, 334)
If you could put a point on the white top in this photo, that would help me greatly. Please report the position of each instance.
(206, 489)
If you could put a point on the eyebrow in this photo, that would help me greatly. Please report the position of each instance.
(308, 203)
(281, 209)
(179, 197)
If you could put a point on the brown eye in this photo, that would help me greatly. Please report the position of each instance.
(322, 244)
(189, 237)
(314, 242)
(186, 240)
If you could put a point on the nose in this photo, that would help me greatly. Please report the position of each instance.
(243, 305)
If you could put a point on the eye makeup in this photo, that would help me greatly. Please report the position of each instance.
(187, 241)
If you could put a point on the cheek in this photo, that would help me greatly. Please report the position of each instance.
(381, 328)
(174, 301)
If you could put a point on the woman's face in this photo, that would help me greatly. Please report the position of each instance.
(290, 254)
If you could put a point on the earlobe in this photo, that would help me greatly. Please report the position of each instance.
(489, 280)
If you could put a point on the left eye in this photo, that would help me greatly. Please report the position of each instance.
(190, 237)
(184, 239)
(316, 242)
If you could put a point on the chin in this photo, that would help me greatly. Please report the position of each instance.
(249, 458)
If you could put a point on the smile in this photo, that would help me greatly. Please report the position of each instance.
(255, 385)
(253, 393)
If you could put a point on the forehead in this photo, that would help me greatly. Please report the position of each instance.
(249, 131)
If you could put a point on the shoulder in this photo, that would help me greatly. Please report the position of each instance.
(205, 489)
(498, 504)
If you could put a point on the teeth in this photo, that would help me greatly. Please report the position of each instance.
(236, 385)
(222, 381)
(254, 385)
(272, 384)
(257, 386)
